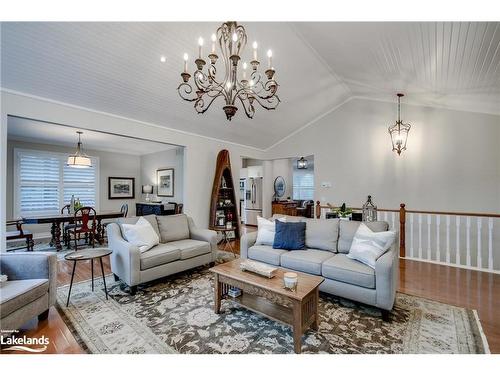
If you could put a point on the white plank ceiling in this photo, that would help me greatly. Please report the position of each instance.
(116, 68)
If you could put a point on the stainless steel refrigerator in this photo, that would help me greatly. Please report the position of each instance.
(253, 200)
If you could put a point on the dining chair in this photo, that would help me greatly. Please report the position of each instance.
(85, 222)
(66, 209)
(124, 209)
(19, 234)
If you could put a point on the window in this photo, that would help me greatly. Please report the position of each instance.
(44, 184)
(303, 184)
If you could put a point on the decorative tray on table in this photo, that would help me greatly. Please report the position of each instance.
(259, 268)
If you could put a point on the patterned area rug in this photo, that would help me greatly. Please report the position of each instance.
(175, 315)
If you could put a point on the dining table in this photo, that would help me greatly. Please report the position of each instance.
(58, 220)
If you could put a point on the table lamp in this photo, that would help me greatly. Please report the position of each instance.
(147, 189)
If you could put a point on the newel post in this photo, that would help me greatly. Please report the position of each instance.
(402, 231)
(318, 210)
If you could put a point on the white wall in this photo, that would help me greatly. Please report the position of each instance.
(452, 162)
(283, 168)
(111, 164)
(200, 152)
(173, 158)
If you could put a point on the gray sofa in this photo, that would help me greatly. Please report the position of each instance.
(30, 290)
(327, 243)
(182, 246)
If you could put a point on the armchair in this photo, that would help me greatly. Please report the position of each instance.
(30, 289)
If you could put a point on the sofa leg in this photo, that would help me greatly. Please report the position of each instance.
(133, 290)
(44, 315)
(211, 264)
(116, 277)
(386, 315)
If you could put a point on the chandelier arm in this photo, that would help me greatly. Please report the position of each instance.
(268, 103)
(185, 90)
(200, 106)
(248, 107)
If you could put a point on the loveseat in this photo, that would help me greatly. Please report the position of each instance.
(30, 289)
(327, 243)
(182, 246)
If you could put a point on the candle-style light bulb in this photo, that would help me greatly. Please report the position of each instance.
(244, 70)
(270, 57)
(186, 57)
(200, 45)
(235, 37)
(214, 38)
(255, 45)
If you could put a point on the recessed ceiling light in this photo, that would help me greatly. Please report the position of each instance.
(163, 59)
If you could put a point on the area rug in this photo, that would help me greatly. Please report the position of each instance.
(175, 315)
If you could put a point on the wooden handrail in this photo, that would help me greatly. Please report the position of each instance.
(402, 218)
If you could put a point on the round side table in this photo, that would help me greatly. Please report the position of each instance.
(88, 254)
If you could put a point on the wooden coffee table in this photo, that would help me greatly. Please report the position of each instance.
(299, 308)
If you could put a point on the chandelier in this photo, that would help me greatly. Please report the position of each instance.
(79, 159)
(399, 131)
(246, 88)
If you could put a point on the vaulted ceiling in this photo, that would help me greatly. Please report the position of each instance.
(116, 68)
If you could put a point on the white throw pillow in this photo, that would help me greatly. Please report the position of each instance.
(266, 231)
(367, 246)
(140, 234)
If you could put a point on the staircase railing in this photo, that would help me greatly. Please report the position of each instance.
(459, 239)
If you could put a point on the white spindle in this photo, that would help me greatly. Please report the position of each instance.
(479, 255)
(457, 250)
(490, 244)
(411, 235)
(438, 249)
(429, 236)
(420, 236)
(447, 238)
(385, 215)
(393, 215)
(467, 241)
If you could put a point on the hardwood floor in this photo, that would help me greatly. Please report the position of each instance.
(455, 286)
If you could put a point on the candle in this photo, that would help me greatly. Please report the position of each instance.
(213, 43)
(200, 44)
(244, 70)
(186, 62)
(270, 56)
(255, 51)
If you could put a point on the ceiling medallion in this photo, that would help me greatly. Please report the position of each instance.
(233, 87)
(399, 131)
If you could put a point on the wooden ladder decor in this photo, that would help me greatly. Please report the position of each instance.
(223, 201)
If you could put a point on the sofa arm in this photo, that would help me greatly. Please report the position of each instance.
(386, 278)
(206, 235)
(247, 241)
(24, 266)
(125, 258)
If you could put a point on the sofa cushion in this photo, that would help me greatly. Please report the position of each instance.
(158, 255)
(266, 230)
(266, 254)
(191, 248)
(173, 227)
(367, 246)
(133, 220)
(287, 218)
(348, 229)
(140, 234)
(18, 293)
(322, 234)
(290, 236)
(308, 261)
(346, 270)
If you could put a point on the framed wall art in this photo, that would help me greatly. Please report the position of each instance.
(165, 182)
(121, 188)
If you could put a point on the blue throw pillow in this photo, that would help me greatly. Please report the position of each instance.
(290, 236)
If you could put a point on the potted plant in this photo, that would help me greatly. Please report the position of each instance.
(343, 212)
